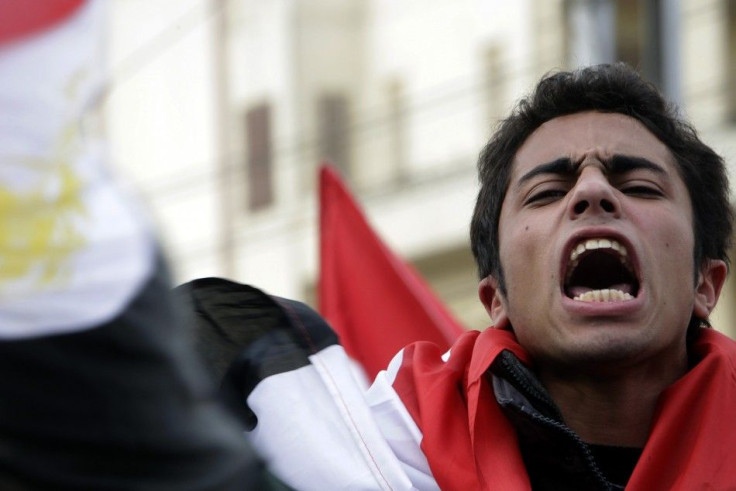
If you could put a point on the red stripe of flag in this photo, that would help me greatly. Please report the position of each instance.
(20, 18)
(375, 301)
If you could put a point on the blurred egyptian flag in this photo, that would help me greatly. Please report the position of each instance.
(69, 241)
(376, 302)
(100, 387)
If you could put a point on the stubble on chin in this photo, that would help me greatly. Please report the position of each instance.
(602, 353)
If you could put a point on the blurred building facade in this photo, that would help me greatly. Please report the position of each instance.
(220, 111)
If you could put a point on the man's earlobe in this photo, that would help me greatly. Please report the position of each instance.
(710, 281)
(494, 302)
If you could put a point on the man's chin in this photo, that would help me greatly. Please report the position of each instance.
(601, 352)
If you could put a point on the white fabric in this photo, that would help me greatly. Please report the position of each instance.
(318, 430)
(72, 250)
(397, 426)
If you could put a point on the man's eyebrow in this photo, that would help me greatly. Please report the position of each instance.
(617, 164)
(620, 164)
(562, 166)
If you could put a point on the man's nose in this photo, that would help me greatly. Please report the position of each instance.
(593, 194)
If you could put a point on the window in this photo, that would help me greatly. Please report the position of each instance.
(731, 61)
(334, 130)
(258, 133)
(396, 106)
(638, 37)
(493, 79)
(601, 31)
(590, 32)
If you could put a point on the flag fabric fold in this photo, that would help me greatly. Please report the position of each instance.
(376, 302)
(101, 388)
(307, 412)
(67, 230)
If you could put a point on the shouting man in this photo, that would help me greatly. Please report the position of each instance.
(601, 233)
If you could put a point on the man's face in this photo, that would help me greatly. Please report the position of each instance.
(596, 244)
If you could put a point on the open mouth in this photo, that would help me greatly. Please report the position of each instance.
(599, 270)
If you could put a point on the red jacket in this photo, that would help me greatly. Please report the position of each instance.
(470, 444)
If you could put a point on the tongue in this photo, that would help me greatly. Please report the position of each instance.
(574, 291)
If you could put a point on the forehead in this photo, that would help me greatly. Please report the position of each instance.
(590, 135)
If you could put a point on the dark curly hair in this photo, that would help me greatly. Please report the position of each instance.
(610, 88)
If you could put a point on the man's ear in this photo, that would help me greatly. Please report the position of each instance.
(494, 301)
(710, 281)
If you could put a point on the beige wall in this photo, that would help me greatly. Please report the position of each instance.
(426, 82)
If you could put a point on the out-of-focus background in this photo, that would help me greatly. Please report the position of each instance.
(219, 112)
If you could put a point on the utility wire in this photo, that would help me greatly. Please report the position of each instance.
(167, 38)
(356, 132)
(199, 14)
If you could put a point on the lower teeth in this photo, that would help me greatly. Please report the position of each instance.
(605, 295)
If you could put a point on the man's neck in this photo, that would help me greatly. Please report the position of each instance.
(611, 409)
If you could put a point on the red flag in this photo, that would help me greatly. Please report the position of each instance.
(376, 302)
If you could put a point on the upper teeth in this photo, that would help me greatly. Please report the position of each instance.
(591, 244)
